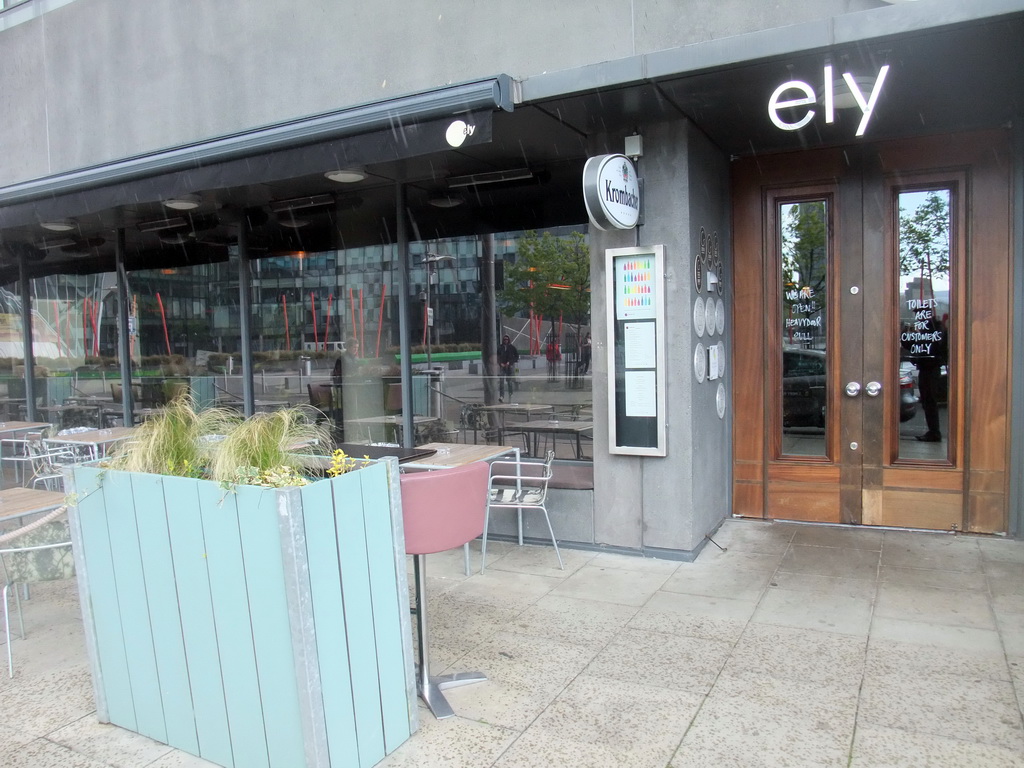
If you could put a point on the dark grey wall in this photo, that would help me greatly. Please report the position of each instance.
(671, 502)
(97, 80)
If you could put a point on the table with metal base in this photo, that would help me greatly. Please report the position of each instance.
(430, 687)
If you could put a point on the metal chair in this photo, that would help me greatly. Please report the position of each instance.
(39, 551)
(48, 462)
(520, 485)
(442, 509)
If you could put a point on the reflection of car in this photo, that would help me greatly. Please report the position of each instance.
(908, 400)
(804, 395)
(804, 391)
(908, 369)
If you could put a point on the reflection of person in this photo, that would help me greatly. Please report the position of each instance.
(508, 356)
(345, 367)
(585, 354)
(350, 364)
(928, 351)
(554, 354)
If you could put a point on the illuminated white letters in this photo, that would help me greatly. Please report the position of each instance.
(774, 104)
(796, 93)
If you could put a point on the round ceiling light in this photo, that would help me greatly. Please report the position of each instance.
(60, 225)
(184, 202)
(445, 201)
(346, 175)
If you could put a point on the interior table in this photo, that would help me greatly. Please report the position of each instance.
(574, 429)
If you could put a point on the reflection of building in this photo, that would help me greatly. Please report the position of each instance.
(186, 159)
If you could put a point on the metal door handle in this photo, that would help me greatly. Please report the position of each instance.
(853, 389)
(872, 388)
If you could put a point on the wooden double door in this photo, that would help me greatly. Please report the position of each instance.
(872, 321)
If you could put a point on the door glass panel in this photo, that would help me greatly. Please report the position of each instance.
(804, 257)
(924, 323)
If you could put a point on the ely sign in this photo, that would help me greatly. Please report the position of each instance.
(796, 97)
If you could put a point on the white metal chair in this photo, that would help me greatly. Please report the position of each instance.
(48, 462)
(39, 551)
(520, 485)
(14, 451)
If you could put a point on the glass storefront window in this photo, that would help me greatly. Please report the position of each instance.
(804, 259)
(925, 304)
(325, 332)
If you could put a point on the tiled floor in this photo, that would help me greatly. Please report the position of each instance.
(796, 646)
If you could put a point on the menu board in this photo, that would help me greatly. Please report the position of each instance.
(636, 351)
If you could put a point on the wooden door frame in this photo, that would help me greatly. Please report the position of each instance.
(982, 443)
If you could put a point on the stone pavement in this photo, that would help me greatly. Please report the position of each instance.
(795, 646)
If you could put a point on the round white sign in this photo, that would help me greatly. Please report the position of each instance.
(700, 362)
(611, 192)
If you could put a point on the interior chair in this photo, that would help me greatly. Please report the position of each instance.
(39, 551)
(520, 485)
(393, 399)
(174, 389)
(321, 397)
(442, 509)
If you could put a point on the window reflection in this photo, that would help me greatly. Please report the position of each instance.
(924, 322)
(311, 311)
(803, 239)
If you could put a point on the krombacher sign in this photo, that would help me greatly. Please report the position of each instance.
(611, 192)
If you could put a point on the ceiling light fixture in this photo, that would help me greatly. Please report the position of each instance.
(59, 225)
(491, 177)
(346, 175)
(445, 201)
(175, 238)
(299, 203)
(56, 242)
(292, 223)
(155, 225)
(184, 202)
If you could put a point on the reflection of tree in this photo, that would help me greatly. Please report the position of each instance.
(804, 252)
(551, 277)
(924, 236)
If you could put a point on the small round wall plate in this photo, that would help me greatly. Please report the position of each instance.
(721, 358)
(709, 316)
(698, 316)
(720, 400)
(700, 362)
(720, 316)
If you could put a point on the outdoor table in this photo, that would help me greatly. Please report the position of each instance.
(96, 440)
(11, 428)
(19, 502)
(571, 428)
(447, 455)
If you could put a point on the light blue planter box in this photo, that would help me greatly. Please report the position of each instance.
(252, 627)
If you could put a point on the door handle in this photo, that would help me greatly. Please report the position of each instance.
(872, 388)
(853, 389)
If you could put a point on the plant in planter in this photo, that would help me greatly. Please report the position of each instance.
(268, 625)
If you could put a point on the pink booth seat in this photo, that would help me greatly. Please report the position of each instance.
(442, 509)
